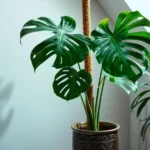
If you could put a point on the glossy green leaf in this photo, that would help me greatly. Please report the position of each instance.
(121, 52)
(68, 48)
(69, 84)
(145, 127)
(124, 83)
(140, 101)
(139, 98)
(142, 105)
(40, 24)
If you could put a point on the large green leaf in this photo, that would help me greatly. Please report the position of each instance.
(41, 24)
(69, 84)
(121, 53)
(124, 83)
(68, 48)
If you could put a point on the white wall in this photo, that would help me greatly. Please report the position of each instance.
(34, 118)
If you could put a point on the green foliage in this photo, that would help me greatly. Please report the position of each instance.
(140, 103)
(124, 83)
(69, 84)
(121, 53)
(68, 48)
(145, 127)
(118, 51)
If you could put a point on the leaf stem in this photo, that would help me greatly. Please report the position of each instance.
(99, 104)
(97, 94)
(89, 109)
(87, 115)
(84, 105)
(79, 66)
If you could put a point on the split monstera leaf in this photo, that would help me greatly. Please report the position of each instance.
(69, 83)
(69, 49)
(124, 59)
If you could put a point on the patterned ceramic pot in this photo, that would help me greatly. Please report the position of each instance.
(106, 139)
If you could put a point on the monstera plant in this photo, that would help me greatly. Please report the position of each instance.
(121, 53)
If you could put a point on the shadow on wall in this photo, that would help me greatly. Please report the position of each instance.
(5, 95)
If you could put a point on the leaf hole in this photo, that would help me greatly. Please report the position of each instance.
(121, 67)
(60, 77)
(65, 71)
(49, 53)
(82, 79)
(135, 20)
(74, 42)
(30, 27)
(134, 50)
(137, 61)
(34, 56)
(79, 84)
(41, 21)
(63, 81)
(66, 86)
(135, 69)
(66, 48)
(61, 60)
(66, 93)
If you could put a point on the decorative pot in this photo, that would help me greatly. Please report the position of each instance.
(106, 139)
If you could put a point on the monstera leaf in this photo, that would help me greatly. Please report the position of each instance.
(124, 83)
(68, 48)
(69, 84)
(122, 53)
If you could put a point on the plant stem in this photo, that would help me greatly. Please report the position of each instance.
(97, 95)
(99, 104)
(91, 120)
(87, 115)
(89, 109)
(93, 110)
(88, 103)
(84, 105)
(79, 66)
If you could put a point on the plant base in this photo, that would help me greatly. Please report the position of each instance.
(106, 139)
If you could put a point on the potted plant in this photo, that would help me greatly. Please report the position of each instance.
(140, 102)
(123, 61)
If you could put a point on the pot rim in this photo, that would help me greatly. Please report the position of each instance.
(90, 131)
